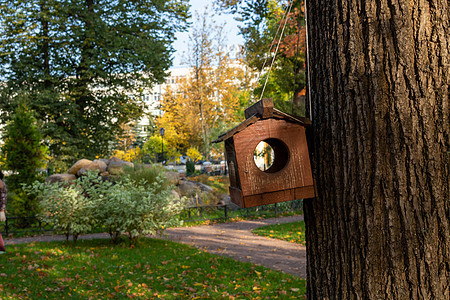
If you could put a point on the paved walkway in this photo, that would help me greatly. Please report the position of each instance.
(234, 240)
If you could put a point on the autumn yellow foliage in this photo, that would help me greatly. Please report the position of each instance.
(132, 154)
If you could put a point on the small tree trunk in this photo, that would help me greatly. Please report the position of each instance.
(379, 228)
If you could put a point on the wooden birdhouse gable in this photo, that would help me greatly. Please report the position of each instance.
(289, 175)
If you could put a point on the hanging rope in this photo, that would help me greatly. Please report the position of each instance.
(293, 66)
(307, 62)
(269, 51)
(278, 45)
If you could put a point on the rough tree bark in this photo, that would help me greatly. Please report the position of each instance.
(380, 84)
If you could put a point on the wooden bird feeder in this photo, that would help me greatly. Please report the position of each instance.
(288, 178)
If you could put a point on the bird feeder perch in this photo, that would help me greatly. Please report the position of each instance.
(288, 178)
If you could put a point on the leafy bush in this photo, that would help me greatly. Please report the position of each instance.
(67, 208)
(147, 175)
(190, 168)
(21, 204)
(138, 209)
(123, 207)
(155, 145)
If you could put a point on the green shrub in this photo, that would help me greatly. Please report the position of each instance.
(190, 168)
(24, 155)
(67, 208)
(21, 204)
(123, 207)
(147, 175)
(138, 210)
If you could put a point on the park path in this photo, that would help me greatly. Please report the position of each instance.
(236, 240)
(233, 240)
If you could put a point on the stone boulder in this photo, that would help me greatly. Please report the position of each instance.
(115, 166)
(173, 177)
(204, 187)
(106, 161)
(78, 165)
(64, 178)
(187, 187)
(226, 200)
(96, 165)
(175, 195)
(197, 193)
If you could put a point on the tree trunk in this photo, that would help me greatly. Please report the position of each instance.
(379, 228)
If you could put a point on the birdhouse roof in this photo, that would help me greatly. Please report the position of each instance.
(262, 109)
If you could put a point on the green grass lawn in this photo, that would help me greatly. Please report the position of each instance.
(292, 232)
(150, 270)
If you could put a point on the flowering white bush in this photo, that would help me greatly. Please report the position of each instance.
(124, 207)
(138, 209)
(65, 207)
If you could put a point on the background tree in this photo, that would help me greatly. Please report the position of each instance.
(193, 154)
(85, 64)
(379, 227)
(156, 145)
(267, 23)
(208, 100)
(25, 156)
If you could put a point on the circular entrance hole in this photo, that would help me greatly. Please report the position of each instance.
(271, 155)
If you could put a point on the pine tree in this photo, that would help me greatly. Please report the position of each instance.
(25, 154)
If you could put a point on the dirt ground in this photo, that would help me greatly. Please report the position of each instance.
(234, 240)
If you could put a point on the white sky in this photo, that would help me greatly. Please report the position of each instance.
(230, 28)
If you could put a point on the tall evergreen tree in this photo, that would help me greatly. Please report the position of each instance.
(24, 154)
(84, 63)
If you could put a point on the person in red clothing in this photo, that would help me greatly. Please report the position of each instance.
(2, 209)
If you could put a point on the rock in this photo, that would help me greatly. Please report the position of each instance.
(175, 195)
(64, 178)
(97, 165)
(187, 187)
(78, 165)
(197, 193)
(226, 200)
(106, 161)
(114, 159)
(204, 187)
(173, 177)
(115, 166)
(194, 201)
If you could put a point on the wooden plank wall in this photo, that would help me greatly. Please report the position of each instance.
(296, 174)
